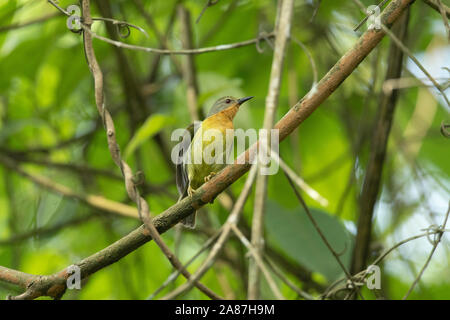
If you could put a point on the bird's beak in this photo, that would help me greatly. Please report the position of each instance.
(242, 100)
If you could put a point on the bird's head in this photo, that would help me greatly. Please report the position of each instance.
(225, 103)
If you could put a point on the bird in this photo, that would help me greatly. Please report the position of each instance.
(192, 173)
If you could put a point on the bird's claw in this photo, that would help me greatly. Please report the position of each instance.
(210, 176)
(190, 191)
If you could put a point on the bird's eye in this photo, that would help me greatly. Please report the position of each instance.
(228, 101)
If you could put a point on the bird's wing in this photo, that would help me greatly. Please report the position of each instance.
(181, 176)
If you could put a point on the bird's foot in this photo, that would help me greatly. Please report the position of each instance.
(209, 177)
(190, 191)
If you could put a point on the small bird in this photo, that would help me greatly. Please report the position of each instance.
(191, 174)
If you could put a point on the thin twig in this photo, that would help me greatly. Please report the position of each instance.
(233, 218)
(221, 47)
(400, 243)
(316, 10)
(121, 24)
(434, 4)
(379, 6)
(209, 3)
(174, 275)
(442, 10)
(259, 262)
(430, 231)
(162, 38)
(283, 30)
(407, 82)
(319, 231)
(408, 52)
(288, 282)
(221, 21)
(299, 181)
(435, 244)
(311, 60)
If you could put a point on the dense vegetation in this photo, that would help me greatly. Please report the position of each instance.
(54, 152)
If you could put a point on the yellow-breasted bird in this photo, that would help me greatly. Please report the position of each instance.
(191, 173)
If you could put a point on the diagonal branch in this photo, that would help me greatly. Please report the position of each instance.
(221, 47)
(259, 262)
(435, 244)
(319, 231)
(233, 218)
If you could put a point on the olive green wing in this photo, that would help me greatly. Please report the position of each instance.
(181, 176)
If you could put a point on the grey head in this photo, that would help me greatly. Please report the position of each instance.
(226, 102)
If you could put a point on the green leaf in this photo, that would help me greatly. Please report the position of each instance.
(293, 232)
(151, 126)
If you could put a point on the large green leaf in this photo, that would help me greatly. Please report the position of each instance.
(151, 126)
(293, 233)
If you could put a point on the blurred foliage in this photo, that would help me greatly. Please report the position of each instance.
(47, 98)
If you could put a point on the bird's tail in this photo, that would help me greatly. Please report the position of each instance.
(189, 221)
